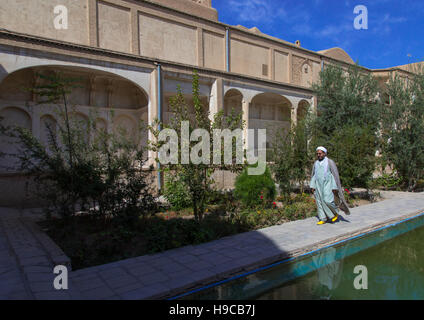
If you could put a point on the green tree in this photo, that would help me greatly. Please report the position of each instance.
(346, 96)
(353, 149)
(348, 121)
(196, 179)
(290, 159)
(403, 127)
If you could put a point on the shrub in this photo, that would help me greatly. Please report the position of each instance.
(254, 190)
(176, 193)
(300, 210)
(388, 181)
(349, 198)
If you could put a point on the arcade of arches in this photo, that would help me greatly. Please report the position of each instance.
(98, 92)
(93, 91)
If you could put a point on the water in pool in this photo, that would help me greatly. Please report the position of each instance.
(393, 257)
(395, 271)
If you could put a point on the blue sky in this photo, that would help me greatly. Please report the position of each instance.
(394, 35)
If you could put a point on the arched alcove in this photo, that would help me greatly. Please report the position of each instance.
(302, 110)
(100, 124)
(16, 86)
(123, 124)
(233, 100)
(12, 116)
(89, 87)
(15, 116)
(272, 112)
(92, 92)
(48, 129)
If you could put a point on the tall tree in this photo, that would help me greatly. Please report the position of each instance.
(196, 178)
(403, 127)
(348, 121)
(290, 159)
(346, 96)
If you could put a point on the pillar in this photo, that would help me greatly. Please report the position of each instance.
(216, 101)
(109, 89)
(245, 106)
(293, 115)
(152, 113)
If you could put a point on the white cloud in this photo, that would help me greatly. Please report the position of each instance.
(253, 10)
(269, 12)
(382, 25)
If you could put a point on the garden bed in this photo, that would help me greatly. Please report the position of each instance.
(90, 241)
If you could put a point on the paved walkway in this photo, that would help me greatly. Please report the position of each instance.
(28, 256)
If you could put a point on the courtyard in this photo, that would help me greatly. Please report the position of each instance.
(93, 207)
(28, 256)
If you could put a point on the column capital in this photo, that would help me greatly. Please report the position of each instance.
(109, 86)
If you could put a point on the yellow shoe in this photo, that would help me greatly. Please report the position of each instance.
(335, 218)
(321, 223)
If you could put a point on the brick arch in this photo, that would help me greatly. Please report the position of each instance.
(125, 124)
(12, 116)
(31, 63)
(92, 87)
(233, 98)
(270, 111)
(281, 105)
(303, 108)
(48, 128)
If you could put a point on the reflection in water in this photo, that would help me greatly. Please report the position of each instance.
(320, 284)
(331, 274)
(395, 271)
(394, 258)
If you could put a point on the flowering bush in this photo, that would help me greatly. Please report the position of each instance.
(388, 181)
(255, 191)
(349, 198)
(265, 217)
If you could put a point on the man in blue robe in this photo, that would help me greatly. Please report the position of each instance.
(326, 186)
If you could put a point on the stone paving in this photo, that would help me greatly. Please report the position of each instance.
(28, 256)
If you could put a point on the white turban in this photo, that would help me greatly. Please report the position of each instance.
(322, 149)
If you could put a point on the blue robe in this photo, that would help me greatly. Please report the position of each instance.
(324, 183)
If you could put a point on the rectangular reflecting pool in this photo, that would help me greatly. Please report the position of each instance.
(389, 263)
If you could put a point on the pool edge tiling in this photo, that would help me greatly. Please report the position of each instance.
(172, 273)
(299, 265)
(363, 220)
